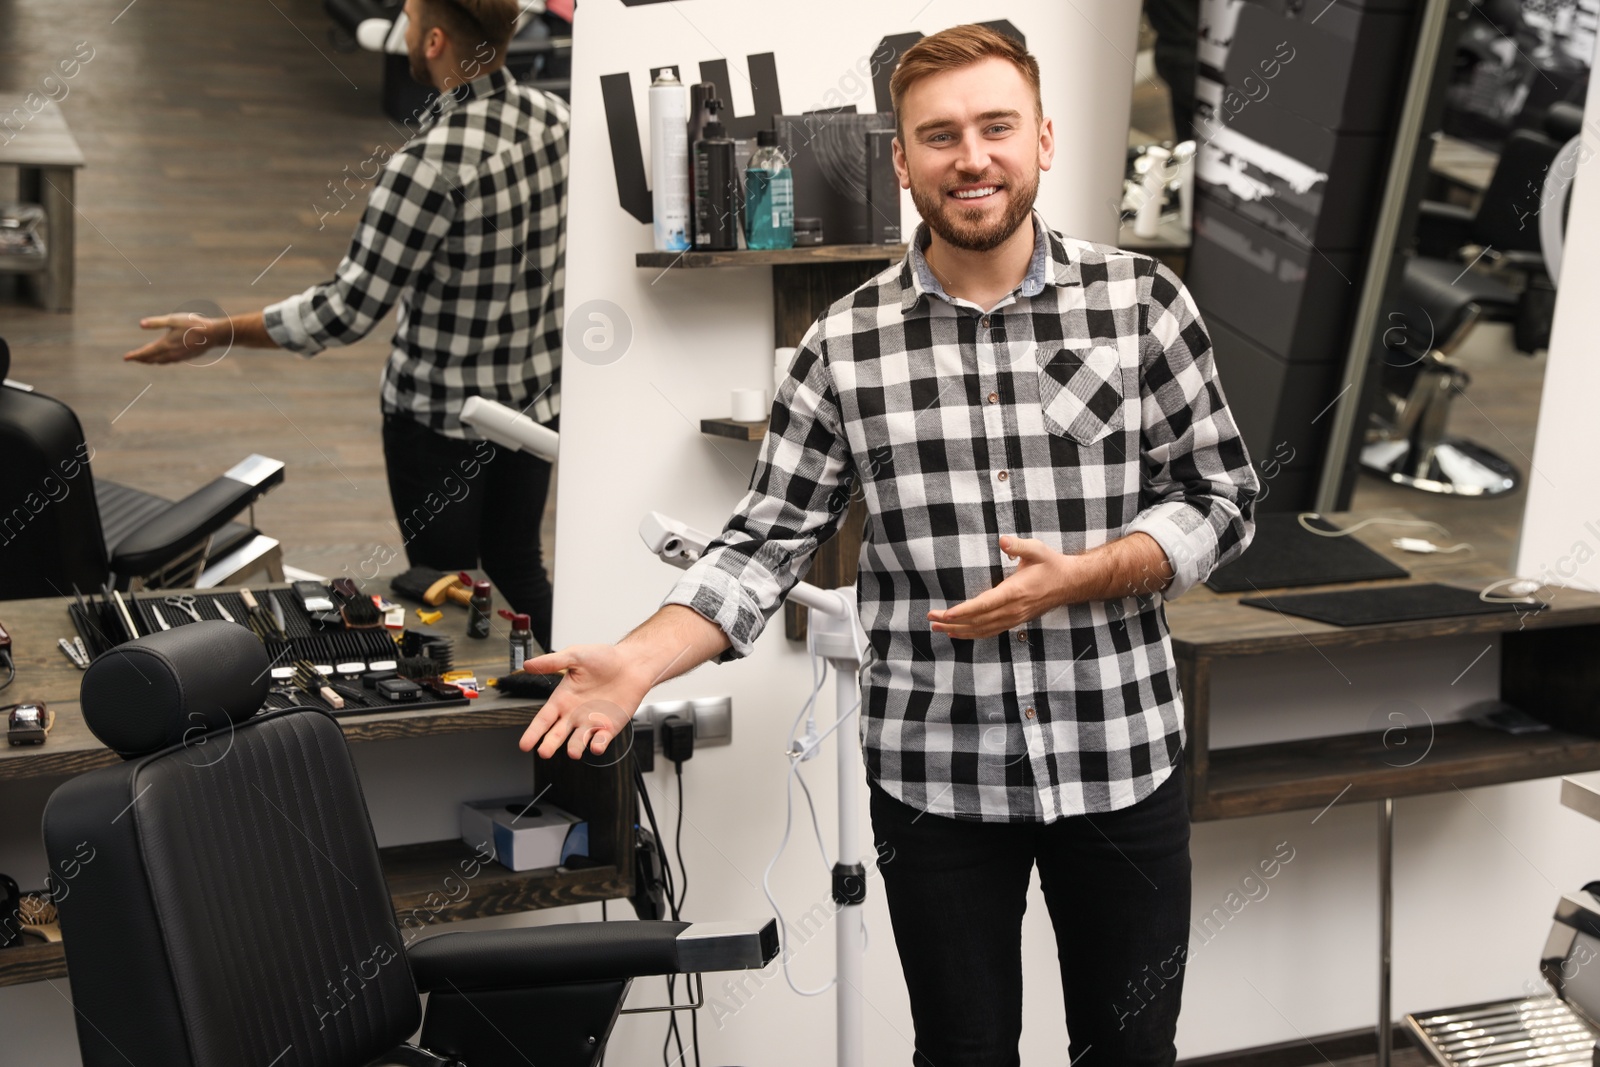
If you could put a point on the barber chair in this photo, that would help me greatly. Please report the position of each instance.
(1407, 443)
(221, 900)
(1537, 1030)
(1469, 267)
(61, 527)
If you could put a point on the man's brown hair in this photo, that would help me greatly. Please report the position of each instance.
(471, 23)
(957, 47)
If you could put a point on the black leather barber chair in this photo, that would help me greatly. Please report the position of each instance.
(61, 527)
(221, 900)
(1407, 442)
(1469, 267)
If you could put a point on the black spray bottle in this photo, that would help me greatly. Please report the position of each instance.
(700, 96)
(716, 188)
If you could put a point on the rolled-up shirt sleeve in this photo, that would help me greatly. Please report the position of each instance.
(1199, 490)
(409, 212)
(798, 496)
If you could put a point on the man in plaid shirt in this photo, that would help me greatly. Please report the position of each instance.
(1046, 456)
(465, 229)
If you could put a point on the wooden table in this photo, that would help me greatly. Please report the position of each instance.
(1211, 628)
(601, 791)
(42, 148)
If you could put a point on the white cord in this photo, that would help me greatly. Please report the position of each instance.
(1522, 590)
(819, 678)
(1348, 530)
(1424, 546)
(798, 753)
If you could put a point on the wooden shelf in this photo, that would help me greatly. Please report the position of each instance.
(1310, 774)
(812, 254)
(416, 875)
(429, 884)
(72, 750)
(32, 963)
(738, 431)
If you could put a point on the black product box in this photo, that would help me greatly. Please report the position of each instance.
(827, 153)
(1283, 410)
(1291, 300)
(883, 190)
(1341, 67)
(1306, 183)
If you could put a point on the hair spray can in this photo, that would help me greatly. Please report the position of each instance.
(669, 162)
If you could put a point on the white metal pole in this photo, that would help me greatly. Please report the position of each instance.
(850, 945)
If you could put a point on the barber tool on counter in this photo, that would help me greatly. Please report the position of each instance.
(434, 587)
(5, 656)
(481, 605)
(29, 724)
(521, 638)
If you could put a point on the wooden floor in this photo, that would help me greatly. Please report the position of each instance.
(212, 133)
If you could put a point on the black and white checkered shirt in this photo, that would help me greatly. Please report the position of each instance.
(466, 230)
(1083, 407)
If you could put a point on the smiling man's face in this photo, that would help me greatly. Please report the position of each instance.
(973, 149)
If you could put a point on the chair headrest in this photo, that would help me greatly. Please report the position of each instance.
(174, 685)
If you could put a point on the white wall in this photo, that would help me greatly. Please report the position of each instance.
(1561, 525)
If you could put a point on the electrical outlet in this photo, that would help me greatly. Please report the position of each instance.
(712, 718)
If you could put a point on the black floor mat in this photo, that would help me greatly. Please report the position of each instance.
(1284, 554)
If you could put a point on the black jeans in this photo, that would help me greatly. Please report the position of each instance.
(462, 503)
(1117, 886)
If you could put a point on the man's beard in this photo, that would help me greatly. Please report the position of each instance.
(419, 70)
(961, 228)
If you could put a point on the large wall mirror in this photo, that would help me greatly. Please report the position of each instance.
(1423, 394)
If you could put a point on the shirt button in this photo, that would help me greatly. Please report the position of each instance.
(985, 322)
(1022, 635)
(1028, 713)
(994, 398)
(1003, 475)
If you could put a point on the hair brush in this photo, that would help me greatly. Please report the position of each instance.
(356, 607)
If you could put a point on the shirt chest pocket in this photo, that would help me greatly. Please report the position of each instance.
(1081, 392)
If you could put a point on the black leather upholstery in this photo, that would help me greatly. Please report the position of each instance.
(232, 906)
(60, 528)
(222, 902)
(538, 955)
(1444, 293)
(1563, 121)
(124, 509)
(173, 686)
(49, 525)
(1507, 217)
(168, 534)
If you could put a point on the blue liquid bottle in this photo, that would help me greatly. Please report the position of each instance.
(769, 196)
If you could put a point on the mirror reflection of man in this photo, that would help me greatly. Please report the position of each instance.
(1045, 454)
(464, 230)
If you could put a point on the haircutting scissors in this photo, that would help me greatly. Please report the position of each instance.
(184, 604)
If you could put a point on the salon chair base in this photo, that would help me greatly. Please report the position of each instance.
(1453, 467)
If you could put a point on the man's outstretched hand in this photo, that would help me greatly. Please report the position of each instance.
(188, 335)
(592, 705)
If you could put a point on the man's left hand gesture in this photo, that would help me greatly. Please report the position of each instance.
(1042, 580)
(1133, 565)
